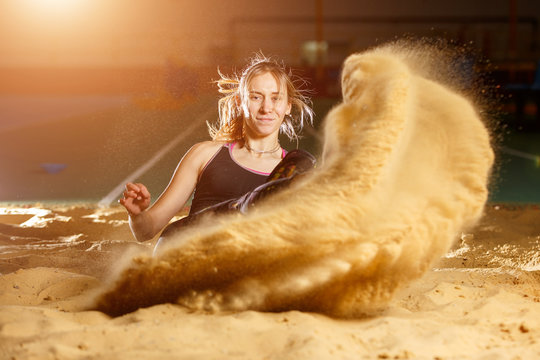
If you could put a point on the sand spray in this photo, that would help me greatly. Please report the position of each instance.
(404, 171)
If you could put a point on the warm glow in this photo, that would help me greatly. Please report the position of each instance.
(59, 7)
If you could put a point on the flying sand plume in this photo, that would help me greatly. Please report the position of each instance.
(405, 169)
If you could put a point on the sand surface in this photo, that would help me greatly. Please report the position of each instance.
(374, 264)
(481, 300)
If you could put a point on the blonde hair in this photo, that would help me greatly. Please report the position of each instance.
(235, 92)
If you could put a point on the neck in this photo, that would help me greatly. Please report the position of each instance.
(261, 149)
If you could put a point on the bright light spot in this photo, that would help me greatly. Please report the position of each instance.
(55, 7)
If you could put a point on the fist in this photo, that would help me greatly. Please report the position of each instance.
(136, 198)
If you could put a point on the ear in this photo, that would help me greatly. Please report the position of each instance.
(289, 108)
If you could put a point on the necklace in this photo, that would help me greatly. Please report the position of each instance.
(260, 152)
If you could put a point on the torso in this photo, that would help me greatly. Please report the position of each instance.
(224, 178)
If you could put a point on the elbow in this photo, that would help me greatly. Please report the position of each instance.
(141, 230)
(141, 237)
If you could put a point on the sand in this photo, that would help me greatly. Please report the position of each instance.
(394, 261)
(481, 300)
(404, 169)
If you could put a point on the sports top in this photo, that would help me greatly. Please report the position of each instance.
(222, 178)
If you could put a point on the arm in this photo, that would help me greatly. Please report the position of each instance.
(145, 222)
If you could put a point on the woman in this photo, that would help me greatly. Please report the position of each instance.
(243, 152)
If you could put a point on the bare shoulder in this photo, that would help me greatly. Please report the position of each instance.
(205, 146)
(206, 149)
(200, 153)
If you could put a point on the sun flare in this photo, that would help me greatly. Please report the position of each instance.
(56, 7)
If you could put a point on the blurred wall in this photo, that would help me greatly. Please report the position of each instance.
(135, 39)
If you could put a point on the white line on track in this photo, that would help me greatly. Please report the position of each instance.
(520, 154)
(119, 189)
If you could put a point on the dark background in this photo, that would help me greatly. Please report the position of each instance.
(91, 90)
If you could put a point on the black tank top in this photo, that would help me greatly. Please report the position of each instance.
(223, 179)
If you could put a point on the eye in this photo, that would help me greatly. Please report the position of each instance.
(254, 97)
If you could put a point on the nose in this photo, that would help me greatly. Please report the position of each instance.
(267, 105)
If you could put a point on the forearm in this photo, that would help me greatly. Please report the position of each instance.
(146, 221)
(142, 226)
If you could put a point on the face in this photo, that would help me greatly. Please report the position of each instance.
(266, 106)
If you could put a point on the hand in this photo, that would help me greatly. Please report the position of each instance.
(136, 198)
